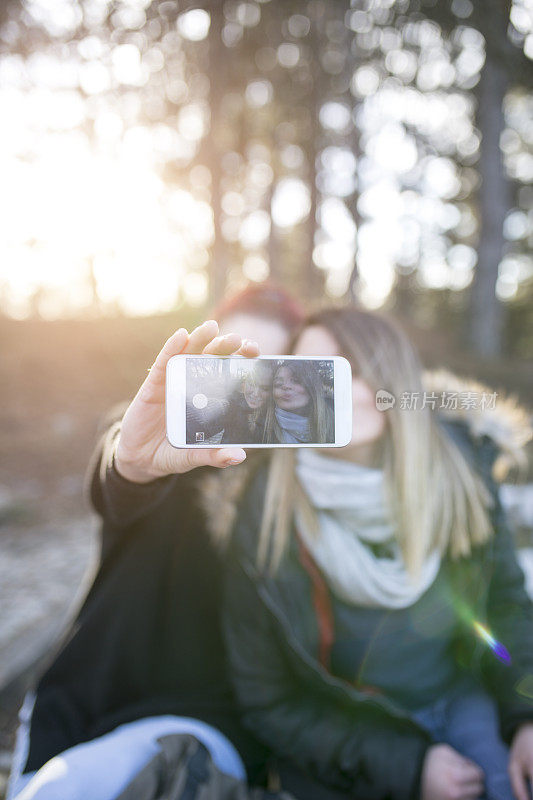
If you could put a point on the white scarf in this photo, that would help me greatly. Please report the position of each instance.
(294, 427)
(352, 514)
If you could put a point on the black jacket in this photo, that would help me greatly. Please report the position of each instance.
(353, 740)
(147, 639)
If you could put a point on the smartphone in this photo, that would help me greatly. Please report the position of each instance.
(268, 401)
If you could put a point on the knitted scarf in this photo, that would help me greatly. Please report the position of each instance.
(356, 547)
(294, 427)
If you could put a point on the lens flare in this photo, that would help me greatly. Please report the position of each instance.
(499, 650)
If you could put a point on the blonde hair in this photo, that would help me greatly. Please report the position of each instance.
(321, 421)
(435, 498)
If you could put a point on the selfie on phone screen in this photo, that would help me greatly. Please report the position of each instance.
(267, 401)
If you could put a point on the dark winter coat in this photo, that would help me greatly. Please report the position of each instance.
(147, 640)
(354, 740)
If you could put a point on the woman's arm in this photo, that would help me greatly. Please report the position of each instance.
(509, 608)
(116, 499)
(133, 466)
(364, 750)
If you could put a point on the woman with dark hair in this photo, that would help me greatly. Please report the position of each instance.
(260, 311)
(145, 657)
(244, 420)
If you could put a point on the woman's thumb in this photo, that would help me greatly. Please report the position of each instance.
(226, 456)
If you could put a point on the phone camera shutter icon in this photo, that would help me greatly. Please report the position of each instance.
(384, 400)
(199, 400)
(199, 436)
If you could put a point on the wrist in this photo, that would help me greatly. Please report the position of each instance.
(129, 470)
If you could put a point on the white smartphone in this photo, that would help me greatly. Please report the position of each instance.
(268, 401)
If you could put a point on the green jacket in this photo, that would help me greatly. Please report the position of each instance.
(356, 741)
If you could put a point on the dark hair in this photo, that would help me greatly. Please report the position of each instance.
(264, 300)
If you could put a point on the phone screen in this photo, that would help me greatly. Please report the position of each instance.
(259, 401)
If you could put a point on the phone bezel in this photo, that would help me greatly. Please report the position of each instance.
(175, 398)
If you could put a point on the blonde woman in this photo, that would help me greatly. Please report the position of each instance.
(298, 412)
(376, 619)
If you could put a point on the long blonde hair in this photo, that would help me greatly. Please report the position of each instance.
(321, 420)
(435, 498)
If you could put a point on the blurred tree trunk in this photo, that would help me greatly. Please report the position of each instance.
(403, 295)
(351, 294)
(486, 313)
(351, 290)
(218, 86)
(96, 303)
(273, 248)
(312, 277)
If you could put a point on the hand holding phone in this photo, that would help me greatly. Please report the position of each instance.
(143, 452)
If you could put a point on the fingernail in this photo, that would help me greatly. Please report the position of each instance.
(235, 459)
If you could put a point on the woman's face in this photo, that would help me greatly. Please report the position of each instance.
(289, 395)
(271, 336)
(256, 392)
(368, 422)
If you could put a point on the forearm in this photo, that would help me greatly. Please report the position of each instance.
(114, 497)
